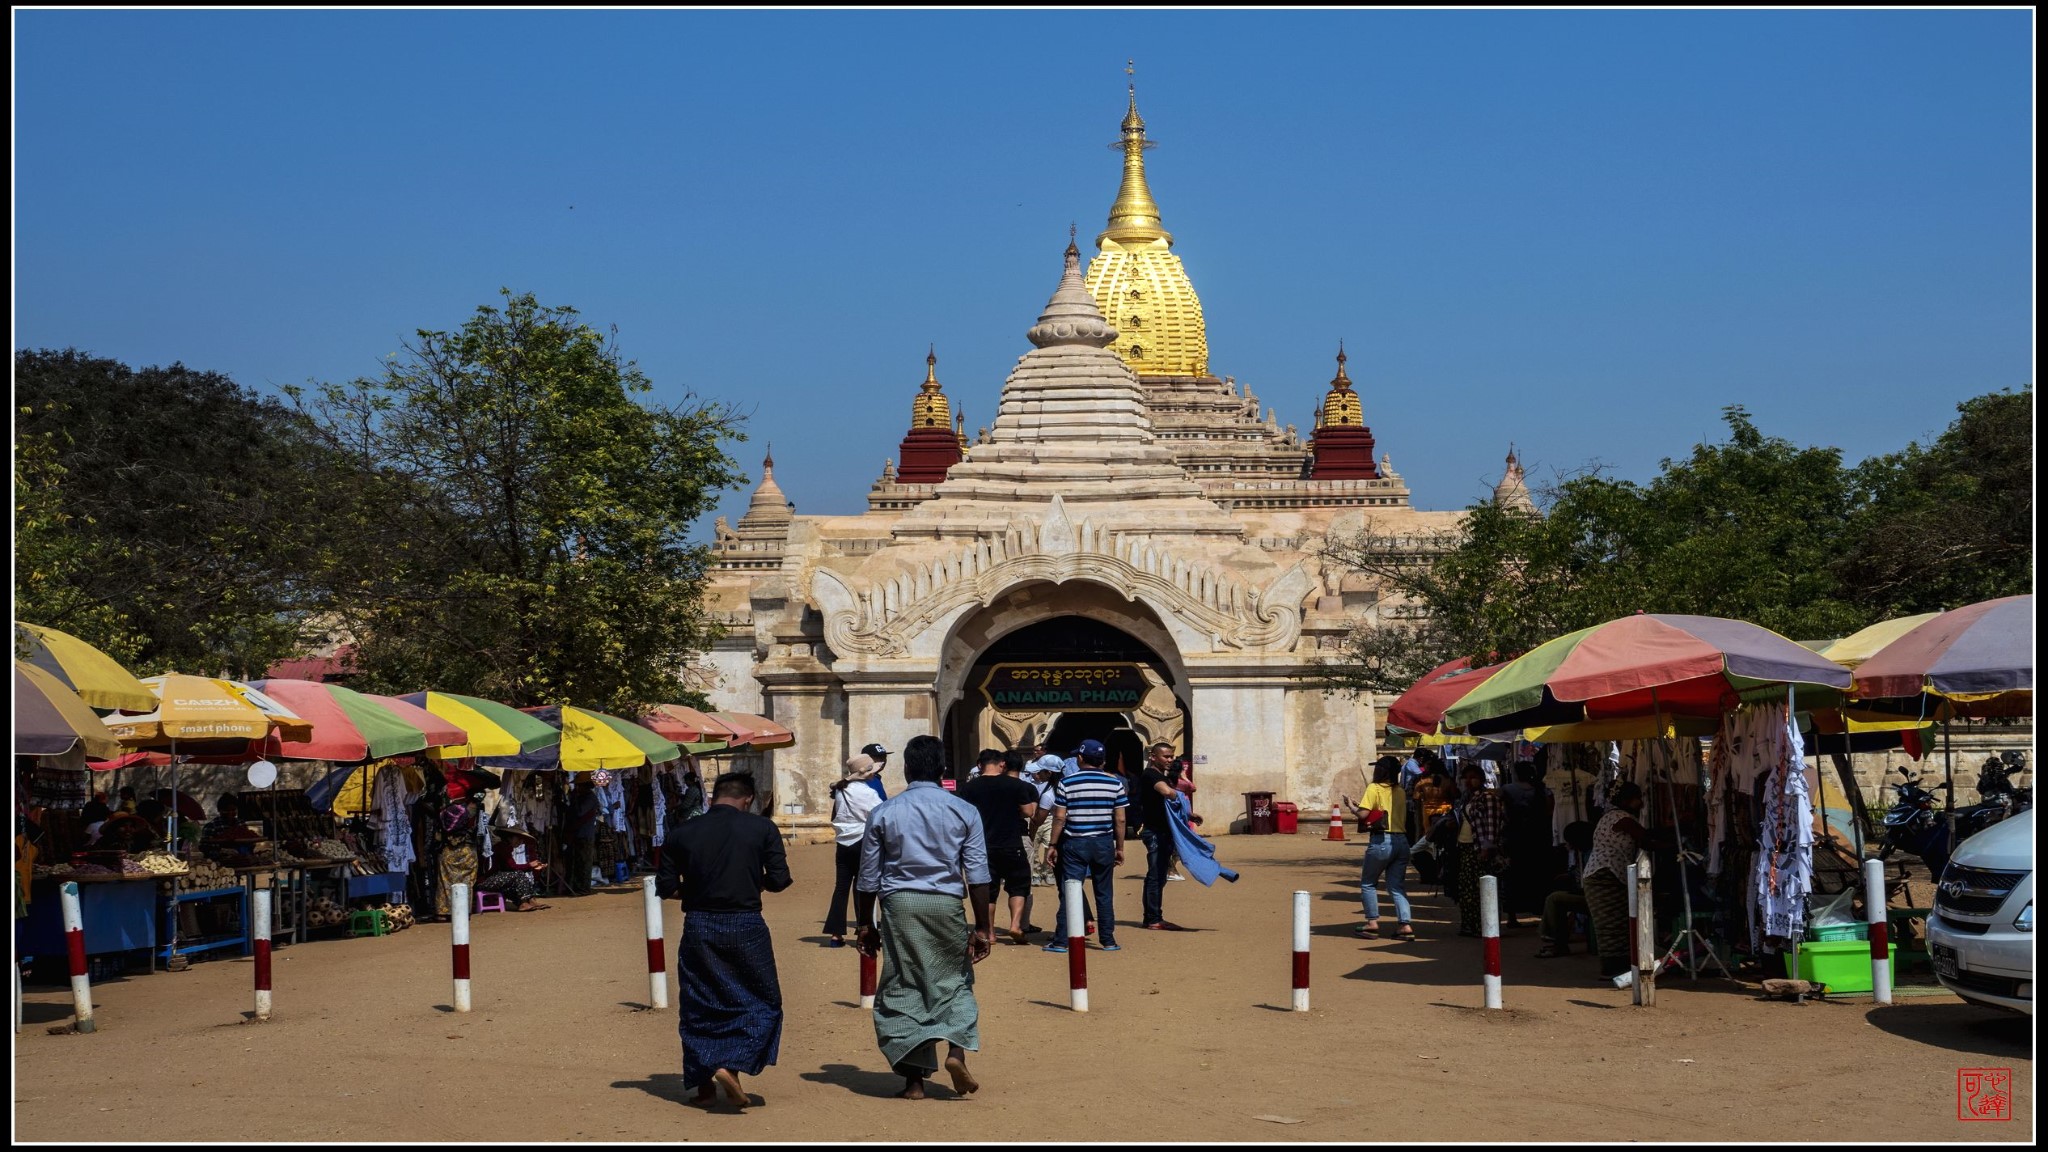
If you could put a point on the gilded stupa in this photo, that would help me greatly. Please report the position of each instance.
(1136, 279)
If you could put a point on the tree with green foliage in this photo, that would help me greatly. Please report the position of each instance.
(1950, 523)
(1754, 528)
(517, 528)
(164, 514)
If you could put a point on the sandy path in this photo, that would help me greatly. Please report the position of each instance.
(1188, 1040)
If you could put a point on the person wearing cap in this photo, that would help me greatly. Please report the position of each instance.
(852, 803)
(1088, 838)
(924, 852)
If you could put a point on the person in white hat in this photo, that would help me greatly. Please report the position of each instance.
(852, 801)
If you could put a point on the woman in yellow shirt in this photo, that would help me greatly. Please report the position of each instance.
(1384, 810)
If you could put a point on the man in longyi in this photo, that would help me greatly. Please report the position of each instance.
(731, 1006)
(924, 852)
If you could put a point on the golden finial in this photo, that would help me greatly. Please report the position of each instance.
(1135, 215)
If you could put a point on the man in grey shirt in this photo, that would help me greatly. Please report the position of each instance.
(922, 854)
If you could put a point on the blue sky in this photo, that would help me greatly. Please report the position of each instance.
(1584, 232)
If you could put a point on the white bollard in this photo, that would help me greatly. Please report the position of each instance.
(458, 906)
(1489, 938)
(74, 943)
(1301, 951)
(657, 956)
(1645, 986)
(260, 923)
(1077, 947)
(1880, 931)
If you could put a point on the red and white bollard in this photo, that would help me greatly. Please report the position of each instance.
(74, 943)
(1880, 931)
(1077, 947)
(259, 922)
(657, 955)
(458, 925)
(1336, 823)
(870, 974)
(1489, 938)
(1301, 951)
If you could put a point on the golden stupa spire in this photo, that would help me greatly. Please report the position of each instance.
(1341, 406)
(931, 409)
(1134, 218)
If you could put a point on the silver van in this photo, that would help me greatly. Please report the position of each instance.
(1981, 936)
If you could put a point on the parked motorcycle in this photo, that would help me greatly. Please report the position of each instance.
(1917, 825)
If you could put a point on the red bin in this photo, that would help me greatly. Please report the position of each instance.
(1289, 817)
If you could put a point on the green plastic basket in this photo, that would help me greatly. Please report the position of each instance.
(1842, 965)
(1834, 932)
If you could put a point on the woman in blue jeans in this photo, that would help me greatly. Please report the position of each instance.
(1384, 812)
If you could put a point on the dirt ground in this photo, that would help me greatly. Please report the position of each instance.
(1189, 1039)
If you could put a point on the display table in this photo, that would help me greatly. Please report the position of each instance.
(119, 915)
(379, 884)
(210, 942)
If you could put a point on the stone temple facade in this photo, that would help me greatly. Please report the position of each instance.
(1129, 552)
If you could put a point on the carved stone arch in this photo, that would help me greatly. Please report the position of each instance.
(1029, 602)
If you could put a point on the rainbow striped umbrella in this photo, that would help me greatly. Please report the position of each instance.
(491, 729)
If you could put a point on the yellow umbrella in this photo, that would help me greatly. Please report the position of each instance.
(203, 708)
(50, 720)
(588, 743)
(94, 675)
(1851, 651)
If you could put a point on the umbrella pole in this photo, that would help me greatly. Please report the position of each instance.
(1948, 770)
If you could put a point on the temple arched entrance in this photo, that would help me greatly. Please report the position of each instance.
(1061, 664)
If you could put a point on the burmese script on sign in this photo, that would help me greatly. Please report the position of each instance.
(1065, 687)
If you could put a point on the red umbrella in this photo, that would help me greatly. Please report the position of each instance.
(687, 725)
(1421, 708)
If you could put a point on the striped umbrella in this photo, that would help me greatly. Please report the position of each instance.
(589, 741)
(755, 731)
(1979, 657)
(97, 678)
(492, 729)
(347, 726)
(50, 719)
(1641, 666)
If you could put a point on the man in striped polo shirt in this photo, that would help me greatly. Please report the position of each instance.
(1088, 839)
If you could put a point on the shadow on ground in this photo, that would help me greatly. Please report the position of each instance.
(1959, 1028)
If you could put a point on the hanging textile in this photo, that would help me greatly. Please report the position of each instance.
(660, 807)
(394, 810)
(1784, 860)
(1571, 773)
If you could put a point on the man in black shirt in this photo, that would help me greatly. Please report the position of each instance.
(1007, 802)
(1152, 789)
(731, 1004)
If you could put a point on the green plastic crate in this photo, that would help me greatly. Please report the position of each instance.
(1842, 932)
(1842, 965)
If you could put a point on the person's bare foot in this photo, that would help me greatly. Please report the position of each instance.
(912, 1089)
(963, 1081)
(728, 1084)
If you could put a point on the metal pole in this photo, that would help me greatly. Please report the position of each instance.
(1489, 932)
(458, 904)
(74, 944)
(260, 922)
(1948, 756)
(1076, 929)
(1880, 931)
(1301, 951)
(657, 960)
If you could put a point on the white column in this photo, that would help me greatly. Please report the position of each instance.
(74, 943)
(1489, 938)
(1880, 931)
(657, 960)
(1301, 951)
(458, 904)
(1077, 947)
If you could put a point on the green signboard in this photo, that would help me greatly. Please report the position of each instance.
(1065, 687)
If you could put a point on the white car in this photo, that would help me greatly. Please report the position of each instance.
(1981, 936)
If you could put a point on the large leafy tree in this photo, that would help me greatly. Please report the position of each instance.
(1753, 527)
(517, 525)
(164, 514)
(1949, 523)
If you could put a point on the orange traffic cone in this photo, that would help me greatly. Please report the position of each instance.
(1336, 823)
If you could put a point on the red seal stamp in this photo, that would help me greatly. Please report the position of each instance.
(1983, 1093)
